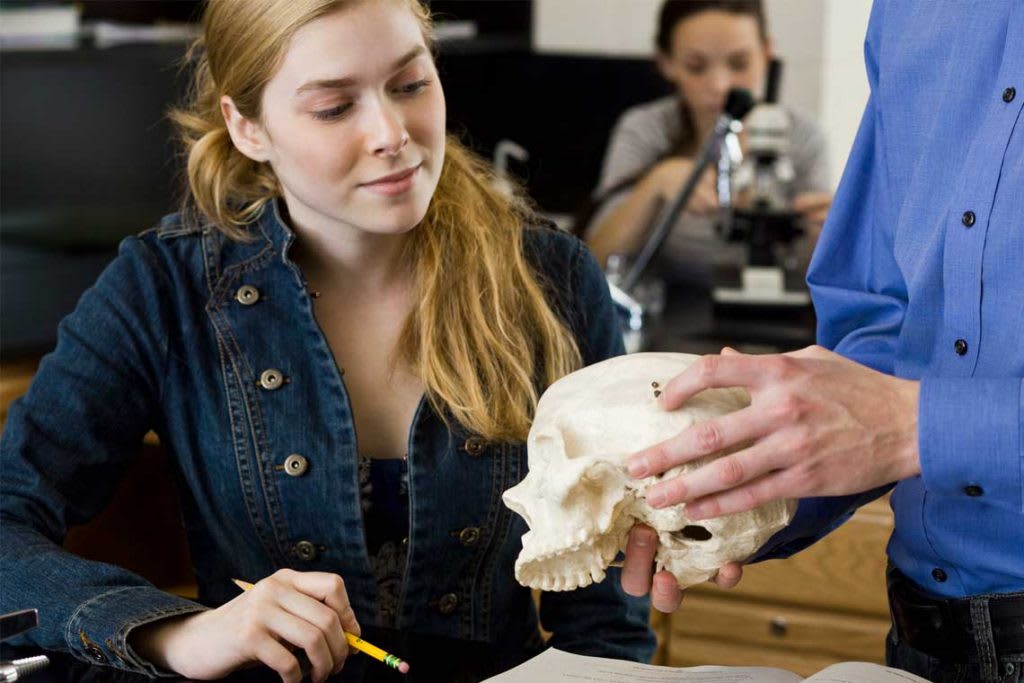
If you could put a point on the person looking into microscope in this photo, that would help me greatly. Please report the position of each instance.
(704, 49)
(917, 285)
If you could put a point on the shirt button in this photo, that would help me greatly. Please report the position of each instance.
(448, 603)
(939, 575)
(974, 490)
(960, 346)
(247, 295)
(96, 654)
(295, 465)
(1009, 94)
(305, 551)
(469, 536)
(968, 219)
(271, 379)
(474, 446)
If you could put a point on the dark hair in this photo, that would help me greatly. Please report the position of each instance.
(675, 11)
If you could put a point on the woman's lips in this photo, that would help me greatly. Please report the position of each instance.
(394, 184)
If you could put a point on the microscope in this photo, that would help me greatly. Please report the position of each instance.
(766, 274)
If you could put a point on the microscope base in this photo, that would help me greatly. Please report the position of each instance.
(760, 286)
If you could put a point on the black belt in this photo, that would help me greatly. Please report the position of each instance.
(944, 629)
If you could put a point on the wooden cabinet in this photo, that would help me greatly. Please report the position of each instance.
(824, 605)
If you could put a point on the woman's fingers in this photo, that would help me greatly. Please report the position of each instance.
(321, 616)
(329, 589)
(276, 656)
(304, 635)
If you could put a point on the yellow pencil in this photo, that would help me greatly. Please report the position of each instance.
(355, 641)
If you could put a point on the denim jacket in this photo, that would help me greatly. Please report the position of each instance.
(213, 344)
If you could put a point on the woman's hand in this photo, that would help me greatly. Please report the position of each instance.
(673, 172)
(288, 610)
(813, 206)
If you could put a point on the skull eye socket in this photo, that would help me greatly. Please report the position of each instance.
(692, 532)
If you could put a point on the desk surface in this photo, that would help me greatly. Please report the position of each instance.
(432, 659)
(690, 323)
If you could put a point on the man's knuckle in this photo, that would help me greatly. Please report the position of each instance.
(730, 471)
(707, 368)
(709, 436)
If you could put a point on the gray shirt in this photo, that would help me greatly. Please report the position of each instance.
(646, 133)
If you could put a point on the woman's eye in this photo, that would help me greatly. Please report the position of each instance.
(332, 113)
(740, 65)
(412, 88)
(694, 68)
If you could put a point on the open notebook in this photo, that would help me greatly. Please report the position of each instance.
(555, 666)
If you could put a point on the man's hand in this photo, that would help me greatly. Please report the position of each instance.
(665, 593)
(818, 425)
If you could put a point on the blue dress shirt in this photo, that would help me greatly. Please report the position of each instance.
(919, 273)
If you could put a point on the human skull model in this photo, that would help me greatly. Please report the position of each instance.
(580, 502)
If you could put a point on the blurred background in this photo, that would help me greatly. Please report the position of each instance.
(86, 156)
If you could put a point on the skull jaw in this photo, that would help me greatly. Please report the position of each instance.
(733, 538)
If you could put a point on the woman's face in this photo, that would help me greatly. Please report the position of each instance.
(713, 52)
(353, 122)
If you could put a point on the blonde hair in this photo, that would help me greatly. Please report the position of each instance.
(483, 337)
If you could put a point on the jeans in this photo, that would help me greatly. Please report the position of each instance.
(988, 669)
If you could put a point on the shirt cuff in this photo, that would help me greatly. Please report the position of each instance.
(815, 518)
(98, 630)
(969, 436)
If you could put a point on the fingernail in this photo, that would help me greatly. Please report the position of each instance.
(638, 467)
(661, 589)
(655, 499)
(694, 512)
(641, 539)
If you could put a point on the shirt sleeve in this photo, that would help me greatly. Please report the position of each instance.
(858, 291)
(810, 157)
(636, 143)
(65, 445)
(983, 417)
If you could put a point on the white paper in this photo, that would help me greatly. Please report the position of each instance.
(860, 672)
(555, 666)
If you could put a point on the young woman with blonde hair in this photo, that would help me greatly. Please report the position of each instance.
(340, 339)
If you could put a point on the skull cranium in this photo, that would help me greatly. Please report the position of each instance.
(580, 502)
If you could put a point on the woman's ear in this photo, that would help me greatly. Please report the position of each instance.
(248, 136)
(665, 66)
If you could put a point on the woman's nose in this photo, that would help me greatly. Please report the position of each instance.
(386, 135)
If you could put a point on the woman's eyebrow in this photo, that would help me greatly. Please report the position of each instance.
(344, 82)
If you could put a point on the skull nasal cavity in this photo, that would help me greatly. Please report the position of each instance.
(692, 532)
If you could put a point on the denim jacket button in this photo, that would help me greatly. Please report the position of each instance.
(247, 295)
(474, 446)
(305, 551)
(295, 465)
(96, 654)
(448, 603)
(271, 379)
(469, 536)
